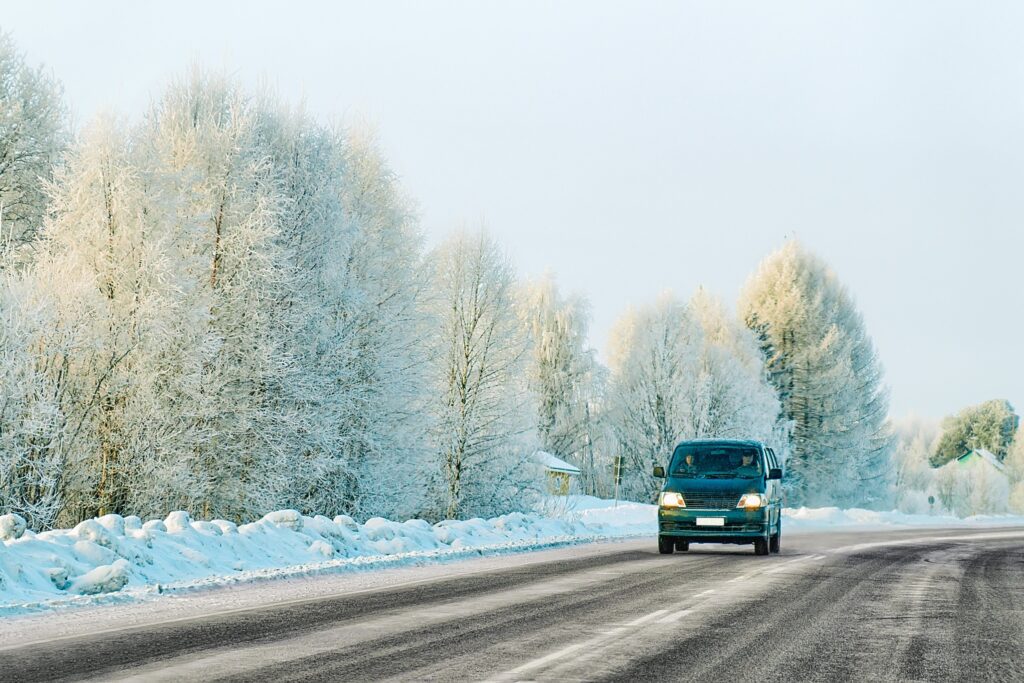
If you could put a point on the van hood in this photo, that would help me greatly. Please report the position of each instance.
(737, 486)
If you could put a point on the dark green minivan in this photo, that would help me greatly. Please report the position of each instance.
(720, 491)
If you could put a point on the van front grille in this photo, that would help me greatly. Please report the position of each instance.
(700, 500)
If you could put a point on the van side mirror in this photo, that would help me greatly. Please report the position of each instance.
(775, 473)
(659, 471)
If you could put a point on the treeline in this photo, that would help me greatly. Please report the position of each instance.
(928, 476)
(227, 308)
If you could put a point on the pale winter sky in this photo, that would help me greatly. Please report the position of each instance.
(636, 147)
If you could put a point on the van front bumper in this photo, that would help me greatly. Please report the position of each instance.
(740, 525)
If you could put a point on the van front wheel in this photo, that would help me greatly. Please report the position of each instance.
(666, 545)
(775, 543)
(761, 546)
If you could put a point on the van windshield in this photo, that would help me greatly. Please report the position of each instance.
(716, 462)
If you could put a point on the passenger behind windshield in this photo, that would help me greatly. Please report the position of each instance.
(716, 462)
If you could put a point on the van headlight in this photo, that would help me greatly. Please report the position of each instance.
(752, 501)
(671, 499)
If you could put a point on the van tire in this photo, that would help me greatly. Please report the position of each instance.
(666, 545)
(761, 546)
(775, 542)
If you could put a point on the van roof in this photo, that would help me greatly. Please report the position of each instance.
(720, 442)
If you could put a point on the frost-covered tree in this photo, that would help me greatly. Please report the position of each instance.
(563, 373)
(913, 478)
(482, 420)
(101, 241)
(235, 276)
(732, 397)
(654, 359)
(973, 489)
(1015, 471)
(684, 371)
(384, 317)
(824, 366)
(32, 424)
(990, 425)
(33, 135)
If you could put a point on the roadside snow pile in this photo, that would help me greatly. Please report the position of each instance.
(111, 553)
(599, 513)
(639, 516)
(115, 558)
(856, 519)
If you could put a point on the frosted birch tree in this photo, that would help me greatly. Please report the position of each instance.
(913, 477)
(731, 397)
(654, 359)
(33, 135)
(563, 373)
(1015, 470)
(385, 319)
(235, 275)
(482, 425)
(32, 423)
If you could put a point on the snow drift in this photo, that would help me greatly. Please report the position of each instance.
(111, 553)
(123, 558)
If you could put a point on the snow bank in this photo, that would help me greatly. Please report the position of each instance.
(856, 519)
(124, 556)
(597, 511)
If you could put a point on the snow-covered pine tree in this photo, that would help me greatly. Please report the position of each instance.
(825, 368)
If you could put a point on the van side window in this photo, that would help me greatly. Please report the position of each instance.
(772, 462)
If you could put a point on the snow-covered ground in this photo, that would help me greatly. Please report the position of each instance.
(115, 558)
(112, 559)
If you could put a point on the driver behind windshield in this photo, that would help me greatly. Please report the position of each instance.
(718, 463)
(687, 466)
(749, 467)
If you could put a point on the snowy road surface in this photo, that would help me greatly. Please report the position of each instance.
(911, 605)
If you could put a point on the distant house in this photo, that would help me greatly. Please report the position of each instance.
(980, 457)
(976, 483)
(560, 474)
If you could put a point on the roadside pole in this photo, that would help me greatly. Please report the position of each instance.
(618, 475)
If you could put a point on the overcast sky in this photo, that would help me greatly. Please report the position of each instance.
(635, 147)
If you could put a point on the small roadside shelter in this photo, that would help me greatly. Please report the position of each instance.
(560, 474)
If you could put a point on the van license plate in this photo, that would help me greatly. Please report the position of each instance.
(711, 521)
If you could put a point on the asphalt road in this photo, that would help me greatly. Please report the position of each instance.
(938, 605)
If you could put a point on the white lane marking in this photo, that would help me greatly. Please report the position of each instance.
(565, 651)
(647, 617)
(996, 535)
(739, 578)
(674, 617)
(785, 565)
(817, 557)
(708, 591)
(558, 654)
(614, 631)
